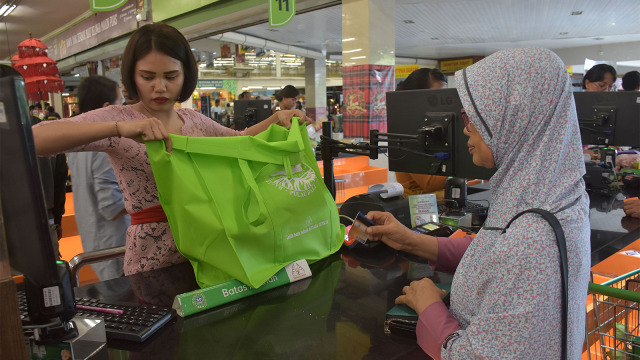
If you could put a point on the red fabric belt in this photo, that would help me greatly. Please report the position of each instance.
(148, 215)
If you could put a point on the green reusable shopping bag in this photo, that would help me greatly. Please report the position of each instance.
(246, 205)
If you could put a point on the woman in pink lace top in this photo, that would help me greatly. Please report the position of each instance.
(158, 69)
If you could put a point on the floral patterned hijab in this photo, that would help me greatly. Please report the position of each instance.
(506, 290)
(520, 100)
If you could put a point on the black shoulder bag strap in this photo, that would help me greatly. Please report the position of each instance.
(564, 278)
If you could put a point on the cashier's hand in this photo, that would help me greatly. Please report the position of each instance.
(632, 207)
(420, 294)
(144, 130)
(284, 117)
(389, 230)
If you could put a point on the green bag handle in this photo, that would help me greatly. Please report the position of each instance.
(254, 148)
(254, 218)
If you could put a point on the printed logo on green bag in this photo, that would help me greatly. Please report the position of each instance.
(301, 184)
(199, 300)
(309, 226)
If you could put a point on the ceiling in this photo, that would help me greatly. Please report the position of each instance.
(38, 17)
(437, 29)
(428, 29)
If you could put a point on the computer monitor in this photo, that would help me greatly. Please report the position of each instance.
(609, 118)
(439, 109)
(247, 113)
(24, 214)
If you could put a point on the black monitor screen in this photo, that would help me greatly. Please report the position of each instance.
(609, 118)
(24, 215)
(411, 110)
(247, 113)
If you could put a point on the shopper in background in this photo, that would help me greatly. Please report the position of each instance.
(51, 114)
(600, 77)
(419, 183)
(159, 69)
(97, 199)
(631, 81)
(217, 111)
(506, 290)
(423, 78)
(287, 97)
(245, 95)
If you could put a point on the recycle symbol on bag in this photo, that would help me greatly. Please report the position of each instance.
(301, 184)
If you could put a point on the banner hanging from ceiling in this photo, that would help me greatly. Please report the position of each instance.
(106, 5)
(281, 12)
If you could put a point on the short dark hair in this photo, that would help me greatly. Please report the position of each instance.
(288, 91)
(597, 72)
(94, 91)
(216, 101)
(244, 94)
(51, 109)
(167, 40)
(422, 78)
(631, 81)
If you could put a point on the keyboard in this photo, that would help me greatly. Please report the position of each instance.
(129, 321)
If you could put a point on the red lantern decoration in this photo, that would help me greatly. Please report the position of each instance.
(39, 71)
(32, 47)
(37, 66)
(14, 60)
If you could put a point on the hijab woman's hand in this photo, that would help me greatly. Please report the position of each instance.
(420, 294)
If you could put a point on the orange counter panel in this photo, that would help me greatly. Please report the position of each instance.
(618, 264)
(356, 174)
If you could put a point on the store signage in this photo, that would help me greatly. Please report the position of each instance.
(207, 83)
(106, 5)
(451, 66)
(281, 12)
(403, 71)
(93, 31)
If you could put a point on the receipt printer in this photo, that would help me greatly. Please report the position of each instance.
(396, 205)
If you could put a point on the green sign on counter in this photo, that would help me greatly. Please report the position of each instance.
(281, 12)
(106, 5)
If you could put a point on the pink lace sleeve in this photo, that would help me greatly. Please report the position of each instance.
(110, 113)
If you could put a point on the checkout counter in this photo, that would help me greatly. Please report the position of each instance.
(338, 313)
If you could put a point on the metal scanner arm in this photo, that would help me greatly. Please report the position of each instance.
(330, 148)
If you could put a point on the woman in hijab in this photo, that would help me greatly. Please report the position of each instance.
(506, 292)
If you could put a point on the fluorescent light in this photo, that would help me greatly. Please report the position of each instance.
(350, 51)
(65, 94)
(3, 9)
(349, 39)
(255, 87)
(77, 75)
(273, 88)
(203, 65)
(207, 88)
(358, 57)
(10, 10)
